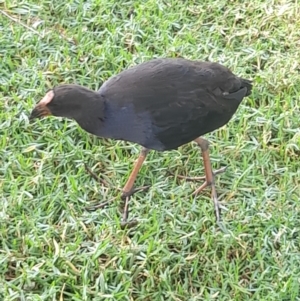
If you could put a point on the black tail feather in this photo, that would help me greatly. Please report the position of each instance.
(247, 84)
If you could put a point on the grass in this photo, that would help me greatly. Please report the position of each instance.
(51, 248)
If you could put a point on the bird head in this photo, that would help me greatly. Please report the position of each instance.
(61, 101)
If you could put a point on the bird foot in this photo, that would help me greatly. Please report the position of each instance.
(126, 197)
(99, 206)
(214, 195)
(217, 205)
(123, 195)
(215, 172)
(128, 224)
(125, 224)
(126, 194)
(98, 179)
(94, 176)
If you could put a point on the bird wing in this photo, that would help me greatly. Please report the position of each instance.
(184, 99)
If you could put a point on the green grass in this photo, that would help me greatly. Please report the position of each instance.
(51, 248)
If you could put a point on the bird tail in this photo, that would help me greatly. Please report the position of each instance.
(246, 84)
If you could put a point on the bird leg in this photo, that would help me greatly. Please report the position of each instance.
(128, 190)
(105, 183)
(209, 175)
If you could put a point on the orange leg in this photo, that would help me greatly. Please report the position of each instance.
(128, 190)
(209, 175)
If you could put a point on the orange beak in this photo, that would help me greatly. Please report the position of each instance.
(41, 109)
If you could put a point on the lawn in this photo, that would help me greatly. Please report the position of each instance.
(52, 248)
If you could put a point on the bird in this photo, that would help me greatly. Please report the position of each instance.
(160, 104)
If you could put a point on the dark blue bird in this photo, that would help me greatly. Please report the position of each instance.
(160, 104)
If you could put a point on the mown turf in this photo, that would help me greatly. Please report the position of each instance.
(51, 248)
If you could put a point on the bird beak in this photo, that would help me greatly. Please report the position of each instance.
(41, 109)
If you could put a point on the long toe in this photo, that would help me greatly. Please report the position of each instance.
(215, 173)
(203, 186)
(125, 223)
(216, 203)
(214, 196)
(220, 170)
(99, 206)
(206, 183)
(217, 209)
(95, 177)
(130, 193)
(128, 224)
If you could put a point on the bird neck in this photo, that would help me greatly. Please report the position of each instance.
(91, 115)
